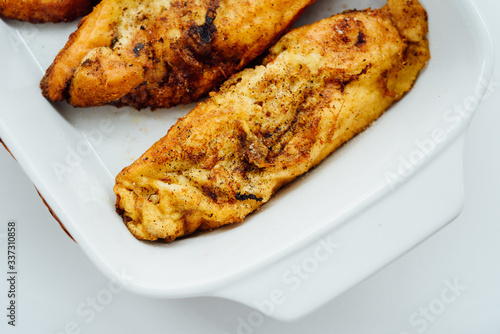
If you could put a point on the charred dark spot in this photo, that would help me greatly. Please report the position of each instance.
(361, 39)
(126, 219)
(350, 11)
(207, 30)
(166, 79)
(239, 170)
(198, 45)
(365, 70)
(345, 39)
(344, 83)
(244, 197)
(88, 63)
(137, 48)
(209, 192)
(118, 208)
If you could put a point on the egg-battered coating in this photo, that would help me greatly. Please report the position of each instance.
(162, 53)
(320, 85)
(42, 11)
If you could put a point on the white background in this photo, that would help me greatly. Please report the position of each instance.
(60, 291)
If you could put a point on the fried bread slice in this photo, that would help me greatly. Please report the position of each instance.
(41, 11)
(161, 53)
(320, 85)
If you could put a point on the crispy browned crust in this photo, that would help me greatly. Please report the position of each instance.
(163, 53)
(319, 86)
(41, 11)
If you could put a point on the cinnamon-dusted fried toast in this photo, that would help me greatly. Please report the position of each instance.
(41, 11)
(164, 52)
(320, 86)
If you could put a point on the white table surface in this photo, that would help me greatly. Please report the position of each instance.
(448, 284)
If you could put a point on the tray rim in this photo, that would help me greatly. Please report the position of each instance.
(212, 286)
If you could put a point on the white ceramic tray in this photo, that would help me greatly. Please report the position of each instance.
(367, 204)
